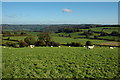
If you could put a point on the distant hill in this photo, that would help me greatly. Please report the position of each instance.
(55, 28)
(14, 27)
(49, 28)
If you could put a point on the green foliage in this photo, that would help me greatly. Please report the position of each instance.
(114, 33)
(44, 36)
(30, 40)
(69, 35)
(95, 37)
(74, 44)
(89, 32)
(87, 35)
(17, 46)
(41, 43)
(11, 44)
(22, 43)
(88, 43)
(8, 43)
(15, 33)
(6, 32)
(52, 43)
(23, 33)
(103, 34)
(47, 43)
(8, 38)
(64, 62)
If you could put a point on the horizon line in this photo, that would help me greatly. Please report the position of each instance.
(57, 24)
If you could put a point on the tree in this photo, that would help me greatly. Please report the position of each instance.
(52, 43)
(56, 44)
(88, 43)
(22, 43)
(95, 37)
(30, 40)
(114, 33)
(15, 33)
(12, 44)
(41, 43)
(23, 33)
(9, 43)
(90, 32)
(7, 32)
(8, 38)
(87, 35)
(103, 34)
(16, 45)
(69, 35)
(44, 36)
(75, 44)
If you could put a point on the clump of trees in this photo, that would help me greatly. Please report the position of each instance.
(88, 43)
(11, 44)
(30, 40)
(69, 35)
(114, 33)
(95, 37)
(40, 43)
(44, 39)
(44, 36)
(88, 33)
(52, 43)
(74, 44)
(104, 34)
(23, 33)
(13, 33)
(69, 30)
(22, 43)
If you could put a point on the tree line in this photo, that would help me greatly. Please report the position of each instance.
(44, 39)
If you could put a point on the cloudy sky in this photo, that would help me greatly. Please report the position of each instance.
(60, 12)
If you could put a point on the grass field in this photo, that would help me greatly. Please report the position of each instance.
(64, 62)
(110, 37)
(62, 40)
(83, 41)
(106, 30)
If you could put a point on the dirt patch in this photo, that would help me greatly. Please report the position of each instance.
(111, 44)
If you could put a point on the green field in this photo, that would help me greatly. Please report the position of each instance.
(64, 62)
(65, 40)
(106, 30)
(83, 41)
(110, 37)
(62, 40)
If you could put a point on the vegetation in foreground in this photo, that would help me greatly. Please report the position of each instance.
(64, 62)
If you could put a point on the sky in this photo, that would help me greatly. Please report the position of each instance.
(60, 0)
(60, 12)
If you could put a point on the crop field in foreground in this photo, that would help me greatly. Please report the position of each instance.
(64, 62)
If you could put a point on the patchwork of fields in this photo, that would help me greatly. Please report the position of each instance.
(64, 62)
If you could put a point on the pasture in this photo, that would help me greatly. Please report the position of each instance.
(68, 40)
(64, 62)
(106, 29)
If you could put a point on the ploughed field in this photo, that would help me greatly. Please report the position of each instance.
(63, 62)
